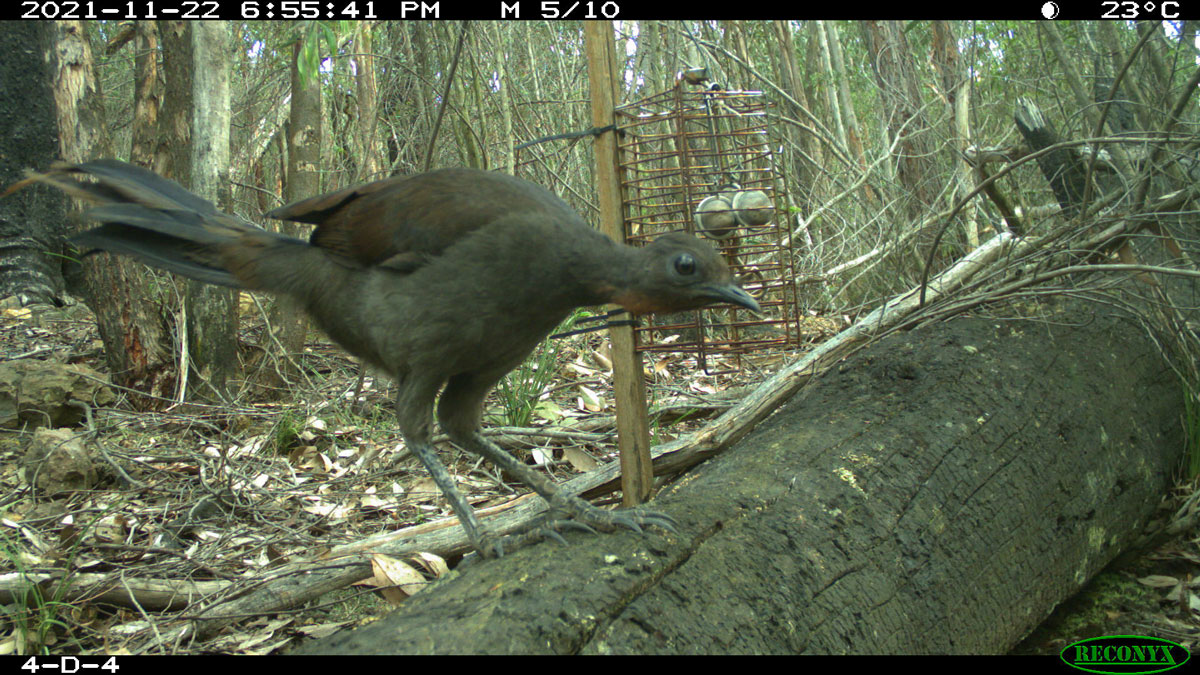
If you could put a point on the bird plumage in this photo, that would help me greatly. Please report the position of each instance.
(446, 280)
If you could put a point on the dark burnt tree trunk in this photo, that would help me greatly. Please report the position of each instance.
(31, 221)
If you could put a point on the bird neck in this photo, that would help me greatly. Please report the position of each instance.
(573, 264)
(607, 272)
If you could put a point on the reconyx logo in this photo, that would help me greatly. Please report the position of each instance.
(1124, 654)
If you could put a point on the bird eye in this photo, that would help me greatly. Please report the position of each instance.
(685, 265)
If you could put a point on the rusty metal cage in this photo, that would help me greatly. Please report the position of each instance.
(700, 161)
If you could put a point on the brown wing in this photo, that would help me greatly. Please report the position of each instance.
(405, 221)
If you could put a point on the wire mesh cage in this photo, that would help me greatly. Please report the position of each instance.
(700, 161)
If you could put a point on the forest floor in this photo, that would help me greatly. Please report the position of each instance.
(290, 477)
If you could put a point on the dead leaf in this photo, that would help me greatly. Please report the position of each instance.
(601, 358)
(579, 459)
(424, 490)
(1158, 581)
(394, 578)
(433, 563)
(321, 630)
(589, 400)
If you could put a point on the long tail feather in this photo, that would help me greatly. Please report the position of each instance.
(151, 218)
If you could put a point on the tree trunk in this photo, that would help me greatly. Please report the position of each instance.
(368, 108)
(896, 76)
(941, 492)
(175, 117)
(147, 98)
(31, 222)
(136, 338)
(288, 326)
(954, 83)
(212, 320)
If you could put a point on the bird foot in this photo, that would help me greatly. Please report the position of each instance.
(488, 545)
(569, 513)
(576, 511)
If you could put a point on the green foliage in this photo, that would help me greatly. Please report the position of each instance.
(520, 390)
(33, 615)
(308, 62)
(286, 432)
(1191, 428)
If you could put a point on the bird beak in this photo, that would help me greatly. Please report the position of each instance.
(733, 295)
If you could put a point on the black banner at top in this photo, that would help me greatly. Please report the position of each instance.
(543, 10)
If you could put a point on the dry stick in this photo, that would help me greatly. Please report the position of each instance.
(997, 176)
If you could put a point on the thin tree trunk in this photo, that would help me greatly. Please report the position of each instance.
(212, 321)
(288, 325)
(368, 97)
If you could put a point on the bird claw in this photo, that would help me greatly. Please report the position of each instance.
(492, 546)
(575, 525)
(579, 514)
(511, 542)
(635, 518)
(579, 517)
(629, 523)
(489, 545)
(551, 530)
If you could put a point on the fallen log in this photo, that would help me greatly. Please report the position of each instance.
(940, 492)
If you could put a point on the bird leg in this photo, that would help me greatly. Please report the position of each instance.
(459, 412)
(582, 515)
(488, 545)
(566, 510)
(414, 411)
